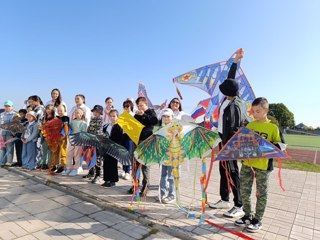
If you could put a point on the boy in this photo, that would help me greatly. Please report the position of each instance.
(18, 143)
(149, 119)
(262, 168)
(230, 120)
(95, 127)
(167, 188)
(6, 153)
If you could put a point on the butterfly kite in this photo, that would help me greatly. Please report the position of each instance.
(208, 79)
(175, 144)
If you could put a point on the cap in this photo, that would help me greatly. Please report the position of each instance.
(167, 112)
(97, 108)
(8, 103)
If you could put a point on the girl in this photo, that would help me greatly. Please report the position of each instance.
(77, 124)
(29, 140)
(62, 145)
(110, 164)
(127, 142)
(80, 101)
(109, 106)
(57, 100)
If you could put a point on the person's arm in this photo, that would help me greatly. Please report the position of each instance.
(233, 69)
(34, 133)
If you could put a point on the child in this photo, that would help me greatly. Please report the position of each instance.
(262, 168)
(149, 119)
(74, 152)
(62, 145)
(110, 164)
(6, 155)
(18, 143)
(46, 152)
(80, 101)
(127, 142)
(109, 106)
(167, 191)
(95, 127)
(230, 120)
(29, 139)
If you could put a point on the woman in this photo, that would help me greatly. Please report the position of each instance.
(56, 100)
(176, 107)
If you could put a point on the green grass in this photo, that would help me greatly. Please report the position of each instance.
(295, 165)
(302, 142)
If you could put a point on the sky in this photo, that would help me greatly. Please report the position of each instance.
(103, 48)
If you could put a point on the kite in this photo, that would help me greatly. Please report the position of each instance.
(51, 131)
(208, 79)
(247, 145)
(103, 145)
(15, 126)
(142, 92)
(176, 143)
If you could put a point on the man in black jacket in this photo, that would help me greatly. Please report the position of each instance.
(230, 120)
(149, 119)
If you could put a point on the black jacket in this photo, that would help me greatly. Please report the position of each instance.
(148, 119)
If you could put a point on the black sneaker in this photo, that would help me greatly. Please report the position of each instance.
(254, 226)
(110, 184)
(88, 176)
(60, 170)
(244, 221)
(95, 180)
(53, 169)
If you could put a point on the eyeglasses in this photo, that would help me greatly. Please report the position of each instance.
(175, 102)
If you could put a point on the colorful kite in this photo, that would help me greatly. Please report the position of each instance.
(208, 79)
(176, 143)
(51, 131)
(103, 144)
(15, 126)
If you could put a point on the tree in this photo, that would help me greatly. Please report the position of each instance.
(282, 114)
(273, 120)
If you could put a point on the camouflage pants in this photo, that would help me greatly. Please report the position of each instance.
(262, 182)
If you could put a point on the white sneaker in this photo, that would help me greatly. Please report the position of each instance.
(80, 170)
(122, 175)
(66, 172)
(220, 205)
(127, 176)
(234, 212)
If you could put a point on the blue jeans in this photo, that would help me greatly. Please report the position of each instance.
(167, 182)
(6, 153)
(29, 155)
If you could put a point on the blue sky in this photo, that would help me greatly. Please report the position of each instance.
(104, 48)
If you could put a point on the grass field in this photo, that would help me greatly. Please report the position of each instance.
(295, 165)
(302, 141)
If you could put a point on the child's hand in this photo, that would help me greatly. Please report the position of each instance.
(239, 55)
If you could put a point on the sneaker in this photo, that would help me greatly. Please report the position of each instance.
(80, 170)
(88, 176)
(234, 212)
(66, 172)
(110, 184)
(254, 226)
(127, 176)
(220, 205)
(53, 169)
(95, 180)
(244, 221)
(73, 173)
(130, 191)
(60, 170)
(122, 175)
(168, 200)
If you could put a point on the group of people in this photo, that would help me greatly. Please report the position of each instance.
(33, 150)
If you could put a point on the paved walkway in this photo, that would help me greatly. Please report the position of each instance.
(293, 214)
(31, 210)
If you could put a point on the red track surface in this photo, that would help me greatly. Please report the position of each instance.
(309, 156)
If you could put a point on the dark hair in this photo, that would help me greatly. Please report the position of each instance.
(36, 98)
(82, 96)
(108, 98)
(53, 112)
(128, 103)
(263, 102)
(114, 110)
(23, 111)
(141, 99)
(59, 99)
(180, 106)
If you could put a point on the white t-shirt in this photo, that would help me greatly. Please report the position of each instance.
(220, 120)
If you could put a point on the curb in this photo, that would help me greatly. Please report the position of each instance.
(106, 205)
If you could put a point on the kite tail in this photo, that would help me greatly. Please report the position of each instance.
(10, 140)
(254, 175)
(229, 179)
(203, 183)
(135, 185)
(279, 174)
(237, 233)
(178, 91)
(209, 174)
